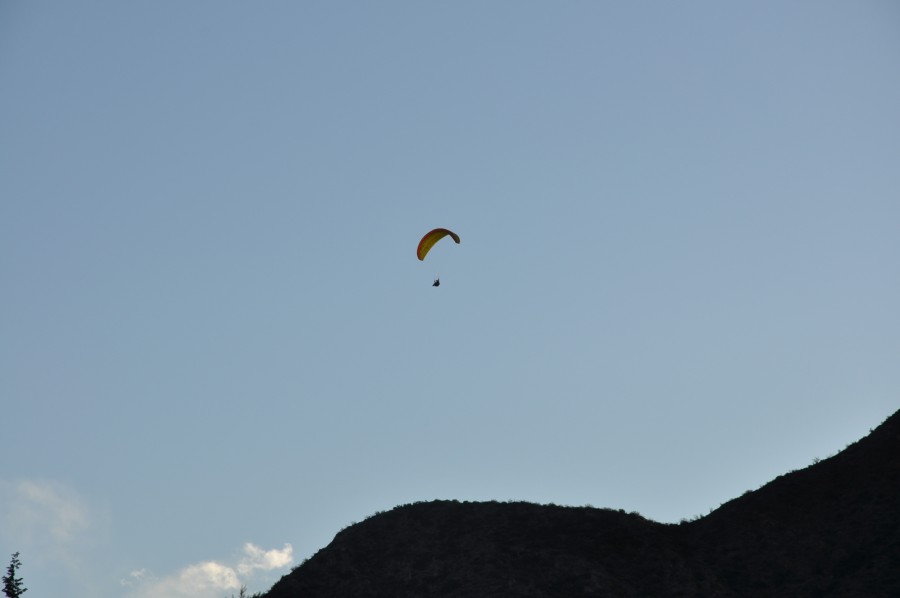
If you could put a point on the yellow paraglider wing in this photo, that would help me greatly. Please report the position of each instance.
(431, 238)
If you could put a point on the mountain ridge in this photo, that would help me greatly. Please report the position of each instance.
(832, 528)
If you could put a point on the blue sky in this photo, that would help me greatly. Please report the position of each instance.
(678, 275)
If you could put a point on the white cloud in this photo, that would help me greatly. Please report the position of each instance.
(47, 518)
(266, 560)
(209, 579)
(55, 527)
(59, 532)
(49, 511)
(135, 577)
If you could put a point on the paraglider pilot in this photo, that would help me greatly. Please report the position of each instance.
(429, 240)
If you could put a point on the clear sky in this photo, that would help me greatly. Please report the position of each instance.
(679, 274)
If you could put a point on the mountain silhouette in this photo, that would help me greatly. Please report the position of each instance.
(831, 529)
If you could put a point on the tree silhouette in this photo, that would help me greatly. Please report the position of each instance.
(13, 587)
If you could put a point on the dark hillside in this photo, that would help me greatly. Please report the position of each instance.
(450, 549)
(832, 529)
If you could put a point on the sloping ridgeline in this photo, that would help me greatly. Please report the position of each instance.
(832, 529)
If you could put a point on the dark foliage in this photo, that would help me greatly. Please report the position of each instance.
(12, 586)
(832, 529)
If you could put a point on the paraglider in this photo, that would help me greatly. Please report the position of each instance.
(431, 238)
(428, 242)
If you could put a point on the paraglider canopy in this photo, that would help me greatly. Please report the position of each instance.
(431, 238)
